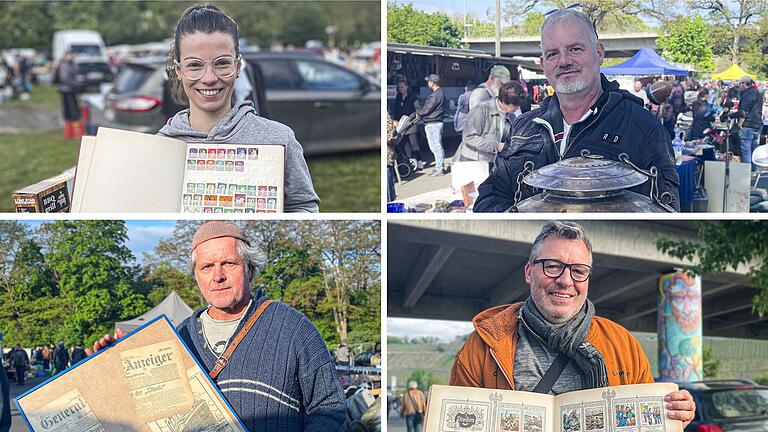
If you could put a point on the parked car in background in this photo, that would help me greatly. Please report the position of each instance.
(90, 60)
(728, 405)
(330, 108)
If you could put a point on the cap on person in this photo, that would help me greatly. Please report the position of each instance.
(502, 73)
(435, 78)
(745, 80)
(217, 229)
(412, 385)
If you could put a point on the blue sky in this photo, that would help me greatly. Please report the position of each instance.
(143, 235)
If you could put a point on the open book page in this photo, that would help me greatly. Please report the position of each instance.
(631, 408)
(233, 178)
(464, 409)
(208, 414)
(129, 172)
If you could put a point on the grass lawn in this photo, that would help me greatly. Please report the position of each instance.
(345, 183)
(348, 183)
(42, 96)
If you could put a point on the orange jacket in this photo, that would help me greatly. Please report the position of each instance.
(487, 357)
(413, 402)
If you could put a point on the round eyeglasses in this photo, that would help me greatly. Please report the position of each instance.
(223, 67)
(554, 268)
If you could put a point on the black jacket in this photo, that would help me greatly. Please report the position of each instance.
(406, 107)
(751, 108)
(19, 358)
(5, 402)
(434, 107)
(702, 119)
(618, 124)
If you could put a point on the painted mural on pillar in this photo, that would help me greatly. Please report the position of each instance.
(679, 328)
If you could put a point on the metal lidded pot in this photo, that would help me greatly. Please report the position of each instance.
(591, 184)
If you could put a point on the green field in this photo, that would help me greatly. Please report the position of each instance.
(345, 183)
(41, 96)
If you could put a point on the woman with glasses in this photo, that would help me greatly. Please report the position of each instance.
(203, 64)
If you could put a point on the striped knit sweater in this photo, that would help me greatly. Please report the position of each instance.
(281, 377)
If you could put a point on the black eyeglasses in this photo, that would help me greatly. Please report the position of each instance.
(573, 6)
(554, 268)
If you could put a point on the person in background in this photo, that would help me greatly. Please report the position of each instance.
(413, 408)
(703, 116)
(406, 104)
(60, 357)
(78, 353)
(488, 90)
(639, 91)
(20, 362)
(66, 76)
(750, 116)
(432, 116)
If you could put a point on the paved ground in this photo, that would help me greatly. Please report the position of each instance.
(419, 182)
(25, 119)
(17, 422)
(395, 423)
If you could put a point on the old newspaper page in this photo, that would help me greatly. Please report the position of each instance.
(148, 381)
(632, 408)
(208, 413)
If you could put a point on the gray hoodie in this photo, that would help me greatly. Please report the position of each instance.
(242, 125)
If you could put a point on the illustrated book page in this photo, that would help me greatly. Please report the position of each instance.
(632, 408)
(233, 178)
(147, 381)
(123, 171)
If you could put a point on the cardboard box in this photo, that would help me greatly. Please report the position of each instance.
(147, 381)
(48, 196)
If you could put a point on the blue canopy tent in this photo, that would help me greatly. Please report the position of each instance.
(645, 62)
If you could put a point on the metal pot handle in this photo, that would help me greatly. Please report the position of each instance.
(653, 175)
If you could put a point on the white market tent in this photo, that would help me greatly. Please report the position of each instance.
(172, 306)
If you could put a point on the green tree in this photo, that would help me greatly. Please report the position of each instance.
(411, 26)
(606, 15)
(685, 39)
(425, 378)
(95, 272)
(736, 17)
(723, 245)
(711, 364)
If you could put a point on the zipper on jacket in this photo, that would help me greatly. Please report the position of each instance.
(509, 381)
(569, 142)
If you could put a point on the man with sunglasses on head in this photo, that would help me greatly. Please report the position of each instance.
(587, 112)
(553, 342)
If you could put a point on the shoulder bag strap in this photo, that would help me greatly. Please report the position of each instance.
(552, 374)
(222, 361)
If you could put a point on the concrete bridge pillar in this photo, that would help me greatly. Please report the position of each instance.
(679, 327)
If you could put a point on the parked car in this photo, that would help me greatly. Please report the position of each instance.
(728, 405)
(330, 108)
(90, 56)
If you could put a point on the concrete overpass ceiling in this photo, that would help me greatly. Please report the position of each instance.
(453, 269)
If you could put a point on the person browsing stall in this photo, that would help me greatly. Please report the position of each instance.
(497, 76)
(280, 377)
(203, 64)
(488, 125)
(587, 112)
(513, 346)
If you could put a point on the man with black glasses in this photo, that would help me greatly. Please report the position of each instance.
(553, 342)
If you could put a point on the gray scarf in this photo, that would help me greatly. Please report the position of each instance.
(570, 338)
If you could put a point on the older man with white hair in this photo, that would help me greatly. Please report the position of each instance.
(587, 112)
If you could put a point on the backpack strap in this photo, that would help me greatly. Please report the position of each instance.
(552, 374)
(222, 361)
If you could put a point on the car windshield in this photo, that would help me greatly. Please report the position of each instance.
(131, 78)
(740, 402)
(86, 50)
(321, 76)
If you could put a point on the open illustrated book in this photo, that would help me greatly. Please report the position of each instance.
(122, 171)
(630, 408)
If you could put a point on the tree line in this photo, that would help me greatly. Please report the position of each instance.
(695, 32)
(31, 24)
(72, 280)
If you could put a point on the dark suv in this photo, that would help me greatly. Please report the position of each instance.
(728, 405)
